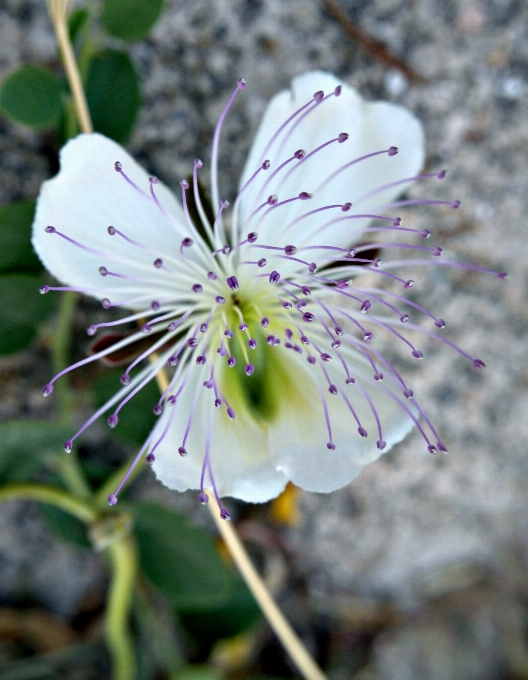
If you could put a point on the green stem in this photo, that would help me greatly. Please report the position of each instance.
(52, 495)
(123, 563)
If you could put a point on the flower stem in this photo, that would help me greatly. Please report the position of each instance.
(123, 562)
(52, 495)
(289, 638)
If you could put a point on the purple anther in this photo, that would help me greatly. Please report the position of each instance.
(203, 498)
(332, 389)
(197, 288)
(201, 360)
(192, 342)
(274, 277)
(342, 137)
(187, 242)
(68, 445)
(103, 271)
(91, 330)
(432, 448)
(252, 236)
(381, 444)
(50, 230)
(362, 431)
(231, 362)
(365, 306)
(424, 233)
(231, 413)
(112, 498)
(220, 300)
(417, 354)
(312, 267)
(226, 249)
(304, 196)
(241, 84)
(290, 250)
(155, 305)
(232, 282)
(376, 262)
(287, 305)
(113, 420)
(184, 184)
(306, 290)
(318, 96)
(404, 318)
(262, 262)
(208, 384)
(343, 283)
(182, 451)
(153, 180)
(150, 458)
(311, 360)
(502, 275)
(171, 400)
(252, 344)
(330, 446)
(393, 150)
(337, 91)
(211, 276)
(146, 328)
(300, 304)
(367, 336)
(270, 339)
(408, 284)
(272, 200)
(265, 165)
(300, 154)
(204, 327)
(264, 322)
(158, 263)
(305, 340)
(288, 334)
(228, 333)
(173, 361)
(478, 363)
(350, 381)
(224, 514)
(125, 379)
(408, 393)
(105, 303)
(351, 252)
(224, 203)
(198, 163)
(221, 351)
(308, 317)
(378, 377)
(118, 166)
(217, 403)
(249, 368)
(157, 410)
(242, 326)
(441, 447)
(325, 357)
(439, 323)
(172, 326)
(346, 207)
(441, 174)
(396, 222)
(456, 204)
(336, 344)
(44, 289)
(437, 251)
(338, 331)
(288, 345)
(111, 230)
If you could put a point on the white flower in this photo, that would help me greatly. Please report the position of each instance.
(275, 374)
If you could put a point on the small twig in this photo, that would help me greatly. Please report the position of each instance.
(369, 45)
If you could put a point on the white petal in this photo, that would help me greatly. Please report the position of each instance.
(371, 127)
(239, 450)
(84, 199)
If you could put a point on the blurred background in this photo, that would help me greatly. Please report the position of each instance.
(418, 569)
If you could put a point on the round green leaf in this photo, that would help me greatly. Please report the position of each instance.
(180, 559)
(131, 19)
(113, 94)
(22, 310)
(16, 252)
(31, 96)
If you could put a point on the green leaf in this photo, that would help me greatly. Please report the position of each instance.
(113, 94)
(136, 419)
(180, 559)
(26, 444)
(77, 22)
(31, 96)
(131, 19)
(16, 252)
(22, 310)
(69, 528)
(198, 672)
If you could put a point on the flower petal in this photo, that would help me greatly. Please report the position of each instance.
(371, 127)
(84, 199)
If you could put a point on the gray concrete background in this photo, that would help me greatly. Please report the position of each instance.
(424, 554)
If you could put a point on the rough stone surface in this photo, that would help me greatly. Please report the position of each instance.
(442, 539)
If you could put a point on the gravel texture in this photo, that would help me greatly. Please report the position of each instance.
(424, 555)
